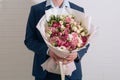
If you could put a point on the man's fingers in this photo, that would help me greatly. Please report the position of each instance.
(66, 62)
(69, 59)
(57, 59)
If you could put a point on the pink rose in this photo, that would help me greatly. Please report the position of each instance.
(66, 31)
(75, 35)
(84, 40)
(54, 34)
(68, 26)
(60, 33)
(60, 42)
(68, 20)
(56, 24)
(53, 40)
(67, 44)
(74, 41)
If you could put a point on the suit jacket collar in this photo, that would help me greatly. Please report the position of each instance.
(71, 5)
(49, 4)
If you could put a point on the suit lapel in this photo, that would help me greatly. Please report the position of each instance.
(74, 6)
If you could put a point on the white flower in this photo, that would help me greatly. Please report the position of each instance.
(47, 35)
(62, 16)
(61, 22)
(75, 23)
(74, 28)
(78, 45)
(79, 42)
(70, 37)
(78, 31)
(79, 26)
(83, 33)
(62, 27)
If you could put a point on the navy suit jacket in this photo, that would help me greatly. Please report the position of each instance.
(35, 42)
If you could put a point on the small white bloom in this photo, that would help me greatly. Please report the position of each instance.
(78, 31)
(74, 28)
(61, 16)
(79, 40)
(70, 37)
(62, 27)
(79, 45)
(75, 23)
(81, 28)
(83, 33)
(61, 22)
(47, 35)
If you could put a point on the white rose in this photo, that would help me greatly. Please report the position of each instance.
(61, 22)
(70, 37)
(61, 16)
(81, 28)
(78, 45)
(62, 27)
(79, 42)
(74, 28)
(47, 35)
(75, 23)
(83, 33)
(78, 31)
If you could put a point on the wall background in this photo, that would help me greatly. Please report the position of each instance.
(100, 63)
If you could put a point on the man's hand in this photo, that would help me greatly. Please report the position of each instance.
(55, 57)
(70, 58)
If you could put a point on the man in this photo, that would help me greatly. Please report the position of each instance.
(35, 42)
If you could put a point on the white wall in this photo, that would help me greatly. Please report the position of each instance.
(15, 59)
(100, 63)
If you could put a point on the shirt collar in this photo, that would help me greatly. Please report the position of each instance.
(65, 4)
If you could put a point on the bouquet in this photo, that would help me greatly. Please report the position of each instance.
(65, 31)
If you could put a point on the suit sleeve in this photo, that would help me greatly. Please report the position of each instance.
(81, 53)
(31, 39)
